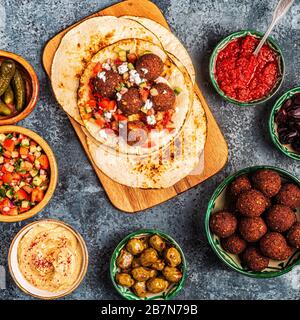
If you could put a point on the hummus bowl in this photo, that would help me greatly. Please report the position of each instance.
(60, 270)
(51, 171)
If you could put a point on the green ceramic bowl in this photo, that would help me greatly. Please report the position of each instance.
(127, 293)
(286, 149)
(223, 43)
(217, 202)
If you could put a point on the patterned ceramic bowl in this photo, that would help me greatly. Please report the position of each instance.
(286, 149)
(126, 292)
(218, 201)
(223, 43)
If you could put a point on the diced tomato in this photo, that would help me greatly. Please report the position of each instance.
(44, 162)
(7, 154)
(131, 57)
(118, 62)
(16, 177)
(7, 178)
(97, 68)
(120, 117)
(24, 151)
(5, 203)
(111, 105)
(144, 93)
(31, 158)
(9, 145)
(100, 122)
(33, 143)
(92, 103)
(104, 103)
(13, 211)
(28, 189)
(37, 195)
(21, 195)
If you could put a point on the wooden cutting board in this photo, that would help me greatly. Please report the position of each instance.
(216, 152)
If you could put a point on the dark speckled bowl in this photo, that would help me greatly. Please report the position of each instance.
(286, 149)
(216, 203)
(223, 43)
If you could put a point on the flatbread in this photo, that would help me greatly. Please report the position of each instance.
(161, 169)
(77, 48)
(176, 76)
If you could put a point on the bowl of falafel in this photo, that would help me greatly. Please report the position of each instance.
(253, 221)
(148, 265)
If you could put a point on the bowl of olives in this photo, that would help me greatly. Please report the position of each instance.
(284, 123)
(148, 265)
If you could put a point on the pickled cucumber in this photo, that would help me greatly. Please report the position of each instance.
(7, 71)
(4, 109)
(19, 90)
(8, 95)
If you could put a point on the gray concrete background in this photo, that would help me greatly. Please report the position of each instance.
(25, 27)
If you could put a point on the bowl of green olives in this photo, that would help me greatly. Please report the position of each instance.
(19, 88)
(148, 265)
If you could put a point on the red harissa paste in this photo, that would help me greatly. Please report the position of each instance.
(243, 76)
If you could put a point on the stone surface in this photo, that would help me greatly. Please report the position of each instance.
(25, 27)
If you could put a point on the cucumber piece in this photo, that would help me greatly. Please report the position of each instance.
(7, 71)
(4, 109)
(8, 97)
(19, 90)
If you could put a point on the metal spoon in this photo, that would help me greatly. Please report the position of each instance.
(281, 9)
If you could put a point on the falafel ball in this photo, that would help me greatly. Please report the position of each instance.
(251, 203)
(289, 195)
(254, 260)
(163, 97)
(223, 224)
(149, 66)
(294, 235)
(267, 181)
(274, 246)
(239, 185)
(131, 102)
(280, 218)
(106, 84)
(252, 228)
(234, 244)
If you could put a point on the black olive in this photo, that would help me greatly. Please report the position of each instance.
(294, 113)
(288, 103)
(281, 116)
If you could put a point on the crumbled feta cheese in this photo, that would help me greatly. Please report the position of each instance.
(102, 75)
(106, 66)
(151, 120)
(102, 134)
(6, 209)
(164, 92)
(119, 96)
(161, 80)
(148, 104)
(1, 159)
(107, 116)
(145, 71)
(176, 109)
(123, 68)
(135, 77)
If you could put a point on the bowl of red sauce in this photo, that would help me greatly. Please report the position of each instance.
(239, 76)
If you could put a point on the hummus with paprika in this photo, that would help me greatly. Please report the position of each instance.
(50, 257)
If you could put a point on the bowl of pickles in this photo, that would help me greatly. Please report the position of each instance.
(19, 88)
(148, 265)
